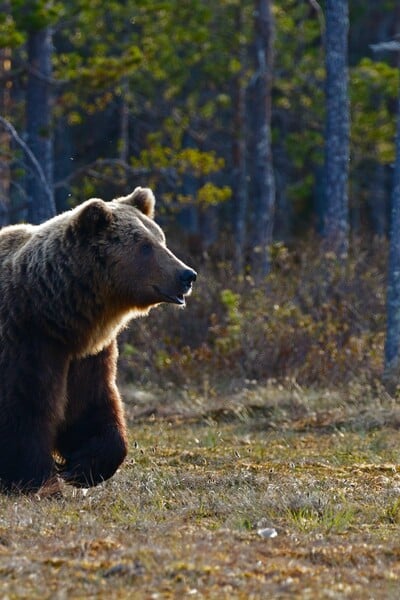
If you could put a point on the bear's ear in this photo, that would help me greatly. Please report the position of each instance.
(94, 217)
(141, 198)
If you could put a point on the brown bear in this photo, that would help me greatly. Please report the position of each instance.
(67, 287)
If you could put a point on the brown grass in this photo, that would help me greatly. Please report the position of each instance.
(204, 474)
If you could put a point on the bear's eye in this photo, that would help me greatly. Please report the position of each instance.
(146, 248)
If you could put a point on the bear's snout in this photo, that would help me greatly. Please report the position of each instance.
(187, 277)
(176, 289)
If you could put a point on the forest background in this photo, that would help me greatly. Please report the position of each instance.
(262, 419)
(221, 109)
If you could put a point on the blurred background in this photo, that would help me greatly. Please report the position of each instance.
(267, 131)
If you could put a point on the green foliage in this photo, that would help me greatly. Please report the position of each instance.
(10, 36)
(228, 335)
(309, 516)
(184, 161)
(393, 512)
(212, 195)
(160, 51)
(175, 67)
(33, 15)
(374, 88)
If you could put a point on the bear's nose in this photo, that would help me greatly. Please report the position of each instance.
(188, 276)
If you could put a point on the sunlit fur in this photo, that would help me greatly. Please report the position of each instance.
(67, 287)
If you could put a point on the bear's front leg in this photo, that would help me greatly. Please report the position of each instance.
(32, 399)
(26, 464)
(92, 440)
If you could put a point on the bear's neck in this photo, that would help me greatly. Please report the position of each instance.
(69, 304)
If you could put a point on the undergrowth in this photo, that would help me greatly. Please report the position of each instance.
(312, 320)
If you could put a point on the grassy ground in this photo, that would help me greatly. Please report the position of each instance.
(208, 483)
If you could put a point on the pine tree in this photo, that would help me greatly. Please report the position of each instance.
(263, 170)
(39, 124)
(392, 346)
(336, 222)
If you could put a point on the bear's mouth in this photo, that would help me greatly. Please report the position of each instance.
(178, 299)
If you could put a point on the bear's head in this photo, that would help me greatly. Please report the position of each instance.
(129, 253)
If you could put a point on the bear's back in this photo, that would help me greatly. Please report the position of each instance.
(12, 238)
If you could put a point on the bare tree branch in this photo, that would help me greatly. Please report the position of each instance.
(39, 171)
(49, 80)
(320, 15)
(392, 46)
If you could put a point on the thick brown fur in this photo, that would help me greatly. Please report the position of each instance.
(67, 287)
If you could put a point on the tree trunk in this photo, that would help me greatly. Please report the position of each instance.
(377, 202)
(124, 123)
(39, 125)
(336, 220)
(392, 346)
(5, 139)
(263, 171)
(239, 155)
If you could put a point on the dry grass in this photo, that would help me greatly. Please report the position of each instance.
(204, 474)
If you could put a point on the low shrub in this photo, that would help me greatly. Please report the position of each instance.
(312, 319)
